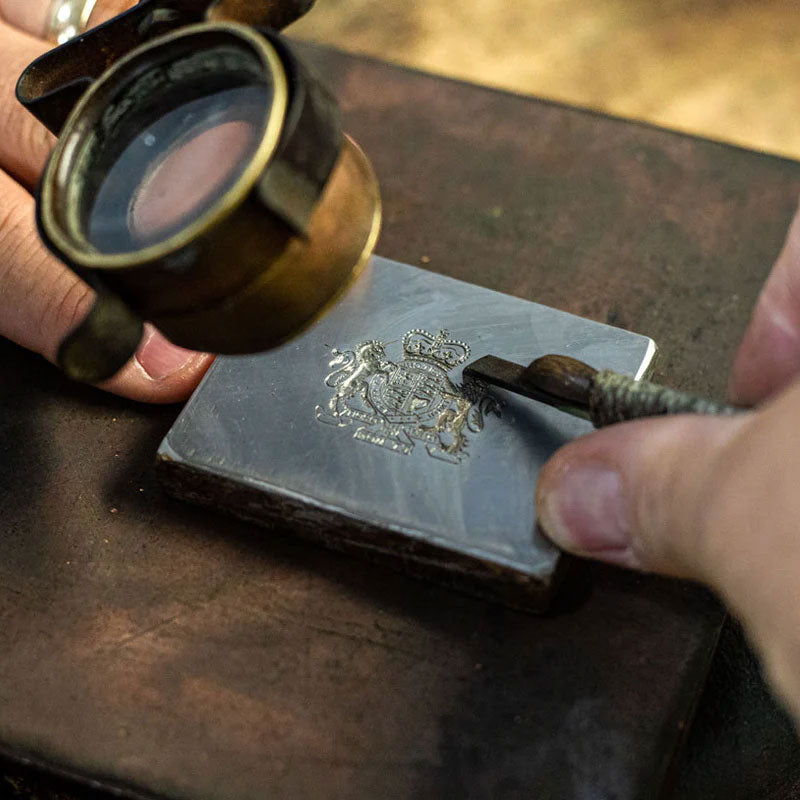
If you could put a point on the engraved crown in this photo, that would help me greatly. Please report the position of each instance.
(438, 349)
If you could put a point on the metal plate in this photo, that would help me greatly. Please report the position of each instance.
(358, 432)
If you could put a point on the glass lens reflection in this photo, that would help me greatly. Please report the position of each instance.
(177, 167)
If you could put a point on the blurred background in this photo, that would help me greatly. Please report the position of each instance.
(724, 69)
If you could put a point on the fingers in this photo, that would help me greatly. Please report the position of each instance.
(27, 15)
(32, 16)
(769, 355)
(713, 499)
(634, 494)
(24, 142)
(41, 300)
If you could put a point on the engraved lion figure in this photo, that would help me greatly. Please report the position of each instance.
(352, 370)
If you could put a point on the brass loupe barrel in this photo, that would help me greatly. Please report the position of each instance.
(202, 183)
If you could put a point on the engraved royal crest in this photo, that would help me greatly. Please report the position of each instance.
(394, 405)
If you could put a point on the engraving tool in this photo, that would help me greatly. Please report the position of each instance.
(601, 396)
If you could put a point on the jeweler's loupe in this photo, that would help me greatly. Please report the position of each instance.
(201, 182)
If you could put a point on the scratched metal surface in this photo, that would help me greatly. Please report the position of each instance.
(255, 420)
(188, 655)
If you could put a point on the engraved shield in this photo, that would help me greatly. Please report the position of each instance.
(413, 393)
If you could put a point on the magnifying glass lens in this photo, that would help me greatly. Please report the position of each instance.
(173, 158)
(203, 183)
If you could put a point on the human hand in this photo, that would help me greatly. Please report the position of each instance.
(712, 499)
(40, 299)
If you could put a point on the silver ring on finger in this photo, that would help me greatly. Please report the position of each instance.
(68, 19)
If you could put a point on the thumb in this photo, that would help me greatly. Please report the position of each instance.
(637, 494)
(712, 499)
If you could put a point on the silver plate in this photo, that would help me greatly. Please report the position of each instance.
(358, 432)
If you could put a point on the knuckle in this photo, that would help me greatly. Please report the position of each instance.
(685, 484)
(37, 142)
(719, 513)
(13, 223)
(727, 520)
(658, 513)
(67, 304)
(24, 142)
(53, 300)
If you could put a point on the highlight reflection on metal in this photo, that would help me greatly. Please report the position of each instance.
(398, 404)
(68, 18)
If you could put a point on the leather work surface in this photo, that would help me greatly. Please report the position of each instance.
(163, 650)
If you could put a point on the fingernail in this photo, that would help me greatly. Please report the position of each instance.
(584, 512)
(159, 358)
